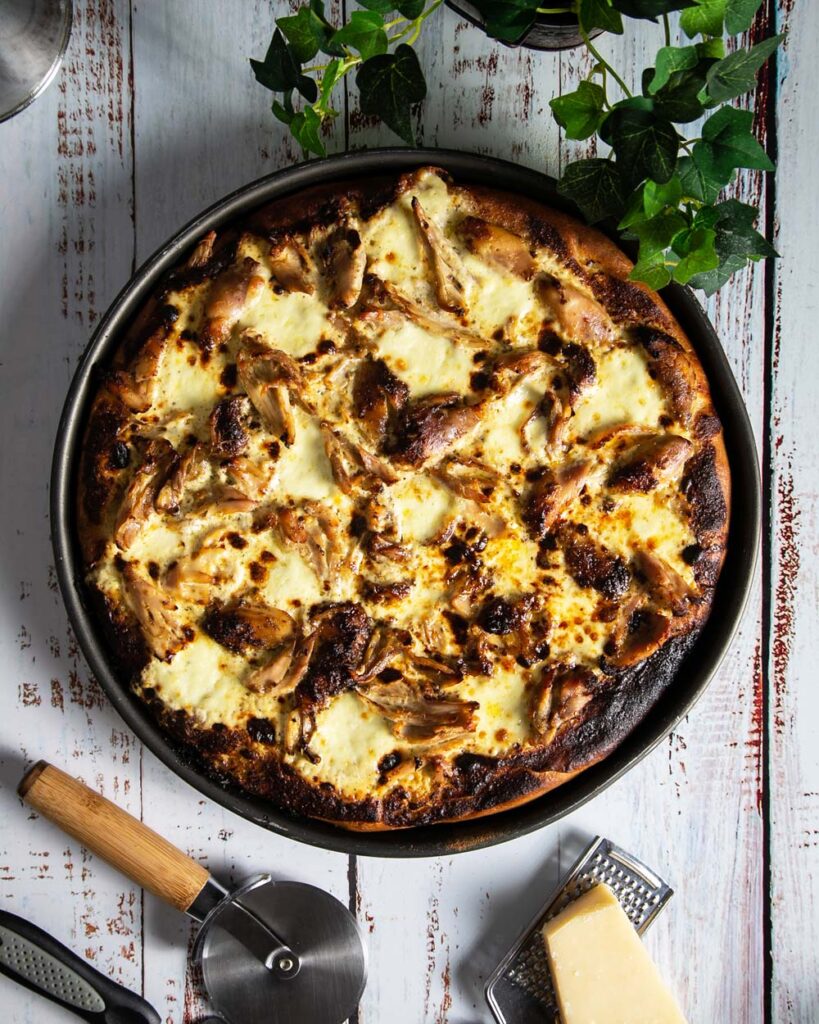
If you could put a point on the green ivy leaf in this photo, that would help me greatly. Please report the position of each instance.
(671, 59)
(381, 6)
(579, 113)
(596, 187)
(656, 235)
(729, 142)
(331, 75)
(284, 111)
(279, 71)
(654, 272)
(364, 33)
(736, 74)
(305, 32)
(388, 85)
(646, 145)
(657, 197)
(600, 14)
(740, 14)
(649, 9)
(737, 242)
(705, 19)
(679, 100)
(697, 253)
(711, 49)
(697, 180)
(507, 20)
(306, 128)
(411, 8)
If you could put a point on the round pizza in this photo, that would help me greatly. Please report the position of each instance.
(401, 503)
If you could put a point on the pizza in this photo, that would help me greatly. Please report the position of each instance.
(400, 502)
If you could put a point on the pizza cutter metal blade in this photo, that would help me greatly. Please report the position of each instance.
(270, 951)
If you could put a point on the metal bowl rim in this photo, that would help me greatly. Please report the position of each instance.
(446, 838)
(49, 76)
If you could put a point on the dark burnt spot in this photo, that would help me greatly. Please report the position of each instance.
(229, 376)
(480, 357)
(385, 592)
(236, 541)
(548, 341)
(358, 525)
(581, 368)
(378, 395)
(701, 486)
(153, 570)
(107, 421)
(326, 347)
(500, 616)
(592, 565)
(120, 455)
(274, 449)
(167, 316)
(343, 631)
(625, 302)
(267, 557)
(262, 730)
(459, 626)
(389, 675)
(188, 335)
(692, 554)
(480, 381)
(706, 426)
(474, 770)
(389, 762)
(228, 435)
(541, 232)
(189, 633)
(258, 573)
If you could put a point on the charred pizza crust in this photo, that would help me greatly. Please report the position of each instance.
(304, 323)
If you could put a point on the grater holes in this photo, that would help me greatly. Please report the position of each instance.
(47, 972)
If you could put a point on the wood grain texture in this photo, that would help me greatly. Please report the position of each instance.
(154, 116)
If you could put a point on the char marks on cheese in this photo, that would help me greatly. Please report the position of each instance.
(399, 502)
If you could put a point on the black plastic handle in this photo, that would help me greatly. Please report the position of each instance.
(31, 957)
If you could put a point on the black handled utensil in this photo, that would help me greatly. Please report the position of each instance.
(35, 959)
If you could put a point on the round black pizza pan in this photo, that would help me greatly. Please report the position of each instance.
(694, 674)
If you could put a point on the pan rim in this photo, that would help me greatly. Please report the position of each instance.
(446, 838)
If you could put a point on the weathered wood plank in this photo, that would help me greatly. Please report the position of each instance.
(794, 751)
(65, 164)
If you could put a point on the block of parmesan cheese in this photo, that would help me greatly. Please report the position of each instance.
(601, 971)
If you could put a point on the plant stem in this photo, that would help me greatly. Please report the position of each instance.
(601, 60)
(667, 30)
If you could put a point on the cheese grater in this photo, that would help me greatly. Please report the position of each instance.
(520, 989)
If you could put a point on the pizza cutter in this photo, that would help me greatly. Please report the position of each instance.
(273, 951)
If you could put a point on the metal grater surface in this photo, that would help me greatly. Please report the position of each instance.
(520, 990)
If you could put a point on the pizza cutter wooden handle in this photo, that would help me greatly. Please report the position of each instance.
(125, 843)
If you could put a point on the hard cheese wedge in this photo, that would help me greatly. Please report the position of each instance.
(601, 970)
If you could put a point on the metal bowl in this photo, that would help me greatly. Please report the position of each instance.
(444, 839)
(549, 32)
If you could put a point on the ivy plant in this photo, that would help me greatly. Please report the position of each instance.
(663, 188)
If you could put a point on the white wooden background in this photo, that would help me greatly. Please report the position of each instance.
(154, 116)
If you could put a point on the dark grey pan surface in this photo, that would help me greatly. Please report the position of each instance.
(445, 839)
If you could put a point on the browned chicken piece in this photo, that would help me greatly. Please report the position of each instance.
(652, 461)
(282, 674)
(448, 270)
(557, 411)
(468, 584)
(231, 294)
(343, 634)
(228, 436)
(600, 438)
(386, 592)
(251, 478)
(248, 625)
(378, 395)
(559, 698)
(138, 501)
(664, 583)
(169, 498)
(387, 549)
(386, 644)
(673, 370)
(468, 478)
(578, 316)
(430, 426)
(591, 564)
(272, 380)
(495, 244)
(345, 259)
(134, 387)
(440, 324)
(290, 266)
(156, 612)
(552, 495)
(417, 716)
(581, 369)
(203, 251)
(313, 530)
(211, 564)
(640, 632)
(352, 465)
(224, 499)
